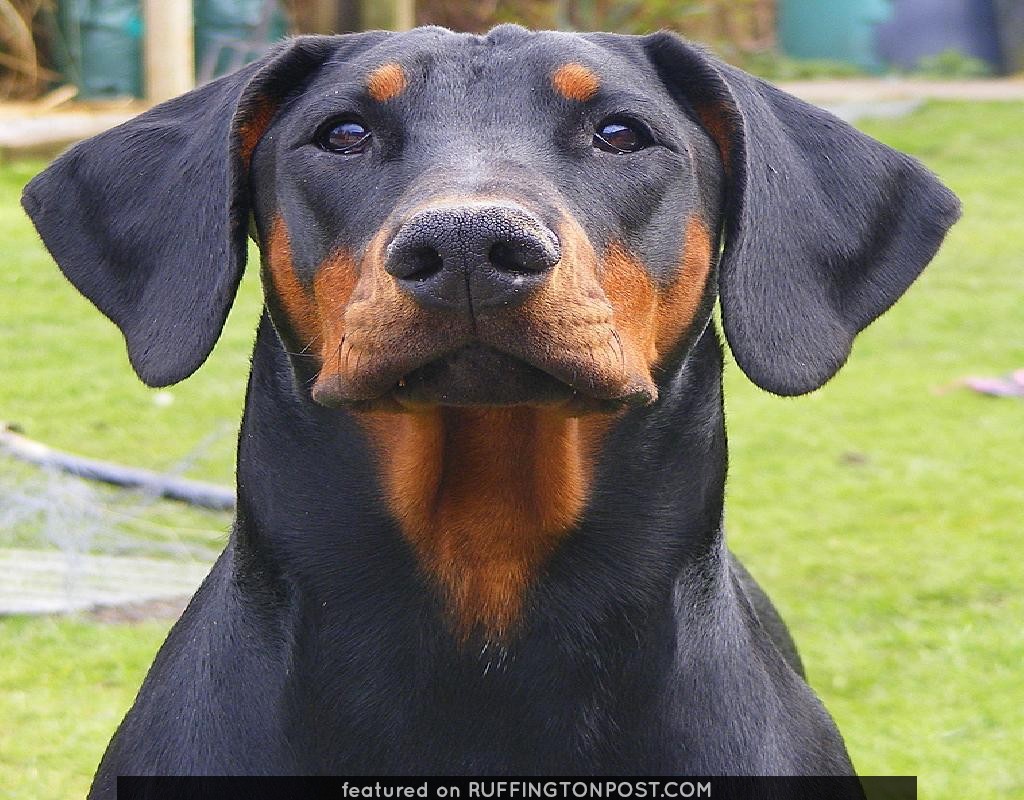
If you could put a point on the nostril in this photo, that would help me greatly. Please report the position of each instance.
(518, 257)
(424, 262)
(507, 258)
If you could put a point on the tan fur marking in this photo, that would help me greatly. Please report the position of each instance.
(719, 127)
(680, 301)
(484, 496)
(649, 320)
(575, 82)
(333, 284)
(316, 314)
(633, 296)
(572, 318)
(294, 300)
(251, 130)
(382, 324)
(386, 82)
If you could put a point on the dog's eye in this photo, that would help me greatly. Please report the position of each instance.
(344, 137)
(620, 136)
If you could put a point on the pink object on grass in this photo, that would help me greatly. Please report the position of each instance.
(1010, 386)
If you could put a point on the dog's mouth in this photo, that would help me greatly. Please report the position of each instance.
(476, 375)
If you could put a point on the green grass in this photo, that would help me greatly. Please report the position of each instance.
(883, 516)
(64, 686)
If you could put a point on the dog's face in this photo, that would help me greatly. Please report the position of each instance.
(462, 220)
(517, 218)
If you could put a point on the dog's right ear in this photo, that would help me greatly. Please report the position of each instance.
(149, 220)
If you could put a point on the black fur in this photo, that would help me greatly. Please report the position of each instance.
(821, 220)
(316, 645)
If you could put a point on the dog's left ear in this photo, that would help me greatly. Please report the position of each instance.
(824, 227)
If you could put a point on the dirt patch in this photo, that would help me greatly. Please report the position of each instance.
(133, 613)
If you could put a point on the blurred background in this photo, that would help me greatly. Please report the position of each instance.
(883, 513)
(137, 48)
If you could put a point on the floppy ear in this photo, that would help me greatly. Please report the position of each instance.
(824, 227)
(149, 220)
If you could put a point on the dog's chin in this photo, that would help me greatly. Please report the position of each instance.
(478, 376)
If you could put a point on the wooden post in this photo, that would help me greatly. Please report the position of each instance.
(395, 15)
(405, 15)
(169, 60)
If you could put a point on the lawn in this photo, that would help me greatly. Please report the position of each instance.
(883, 513)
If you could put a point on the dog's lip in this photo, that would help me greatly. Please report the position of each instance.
(582, 392)
(448, 381)
(633, 393)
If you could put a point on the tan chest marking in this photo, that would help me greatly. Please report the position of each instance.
(484, 496)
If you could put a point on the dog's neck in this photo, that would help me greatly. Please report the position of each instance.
(490, 516)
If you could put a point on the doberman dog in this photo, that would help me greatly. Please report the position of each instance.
(482, 462)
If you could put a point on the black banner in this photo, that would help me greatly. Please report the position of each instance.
(653, 788)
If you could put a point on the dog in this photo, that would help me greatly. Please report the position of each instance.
(482, 461)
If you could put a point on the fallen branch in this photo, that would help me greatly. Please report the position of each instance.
(196, 493)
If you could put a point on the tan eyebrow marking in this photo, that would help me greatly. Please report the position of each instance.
(386, 82)
(575, 82)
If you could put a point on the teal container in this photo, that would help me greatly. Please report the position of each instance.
(102, 41)
(840, 30)
(103, 53)
(230, 33)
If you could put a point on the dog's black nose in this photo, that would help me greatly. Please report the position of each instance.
(472, 257)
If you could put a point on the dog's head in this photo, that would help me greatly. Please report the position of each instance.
(511, 219)
(535, 224)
